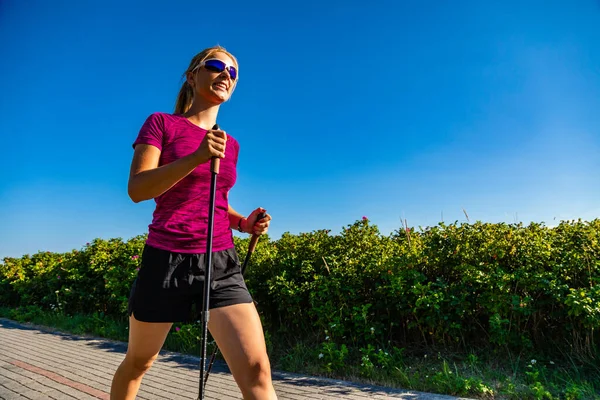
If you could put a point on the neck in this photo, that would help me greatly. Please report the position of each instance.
(203, 115)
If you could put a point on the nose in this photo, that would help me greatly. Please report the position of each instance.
(226, 73)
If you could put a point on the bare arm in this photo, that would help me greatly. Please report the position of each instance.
(234, 218)
(147, 180)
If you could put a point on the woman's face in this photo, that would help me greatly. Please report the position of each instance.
(213, 80)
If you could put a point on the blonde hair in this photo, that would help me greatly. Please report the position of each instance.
(186, 93)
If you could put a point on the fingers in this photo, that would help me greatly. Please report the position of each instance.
(259, 226)
(262, 226)
(217, 141)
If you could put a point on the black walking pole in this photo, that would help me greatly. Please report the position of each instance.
(214, 168)
(251, 248)
(252, 245)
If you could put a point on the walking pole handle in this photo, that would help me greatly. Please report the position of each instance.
(215, 162)
(252, 245)
(254, 239)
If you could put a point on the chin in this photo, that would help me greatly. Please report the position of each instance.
(215, 100)
(220, 97)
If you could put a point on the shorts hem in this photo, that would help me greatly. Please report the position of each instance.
(154, 318)
(231, 302)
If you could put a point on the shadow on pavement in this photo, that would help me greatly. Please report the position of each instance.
(330, 386)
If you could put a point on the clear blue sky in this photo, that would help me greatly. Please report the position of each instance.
(344, 109)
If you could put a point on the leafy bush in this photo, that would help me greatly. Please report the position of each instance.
(493, 285)
(95, 279)
(498, 286)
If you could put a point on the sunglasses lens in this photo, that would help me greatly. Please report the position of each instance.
(215, 65)
(219, 66)
(232, 72)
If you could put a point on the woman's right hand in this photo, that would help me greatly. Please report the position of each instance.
(213, 145)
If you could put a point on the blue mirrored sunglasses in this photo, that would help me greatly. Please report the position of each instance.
(216, 65)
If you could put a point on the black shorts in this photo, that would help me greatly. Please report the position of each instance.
(169, 284)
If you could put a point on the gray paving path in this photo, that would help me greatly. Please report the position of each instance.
(37, 363)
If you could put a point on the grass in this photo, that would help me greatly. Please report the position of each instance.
(475, 374)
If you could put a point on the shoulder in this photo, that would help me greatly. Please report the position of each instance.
(155, 130)
(161, 119)
(163, 123)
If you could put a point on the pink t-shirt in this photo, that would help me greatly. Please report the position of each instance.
(180, 220)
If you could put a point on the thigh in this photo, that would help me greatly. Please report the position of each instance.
(146, 339)
(239, 334)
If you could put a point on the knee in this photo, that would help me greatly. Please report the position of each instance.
(259, 373)
(139, 364)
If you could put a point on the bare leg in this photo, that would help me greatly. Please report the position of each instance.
(145, 341)
(238, 332)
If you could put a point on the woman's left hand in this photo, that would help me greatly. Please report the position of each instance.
(255, 226)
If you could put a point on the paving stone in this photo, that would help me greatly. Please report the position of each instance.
(41, 363)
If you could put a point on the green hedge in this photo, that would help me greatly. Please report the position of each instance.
(507, 286)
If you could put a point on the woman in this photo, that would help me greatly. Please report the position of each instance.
(171, 164)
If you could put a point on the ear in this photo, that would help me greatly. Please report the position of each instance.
(189, 78)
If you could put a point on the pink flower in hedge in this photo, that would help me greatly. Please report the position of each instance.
(137, 269)
(365, 218)
(135, 257)
(177, 329)
(58, 277)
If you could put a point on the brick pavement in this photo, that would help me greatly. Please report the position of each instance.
(38, 363)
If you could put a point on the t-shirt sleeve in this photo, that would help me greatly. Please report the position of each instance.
(151, 132)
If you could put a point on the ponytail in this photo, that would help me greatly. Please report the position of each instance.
(184, 98)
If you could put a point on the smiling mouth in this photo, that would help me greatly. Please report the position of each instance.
(221, 86)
